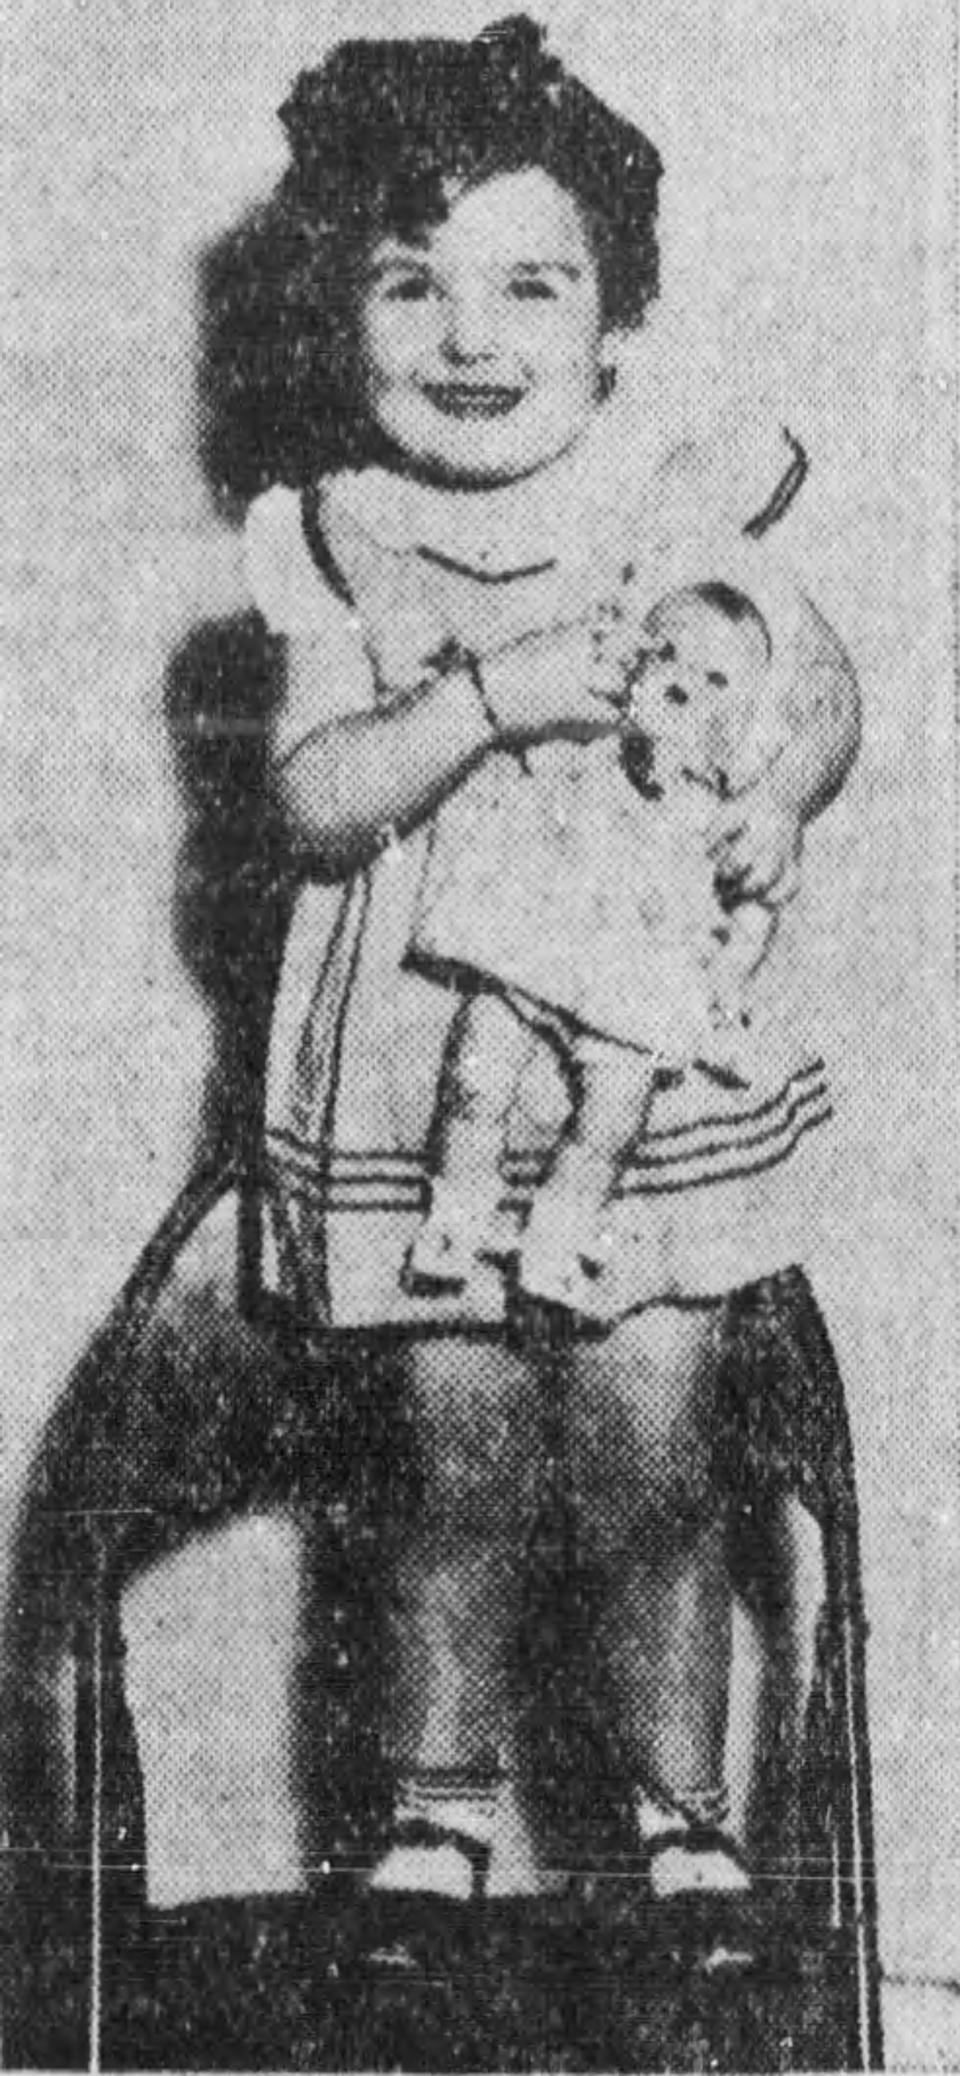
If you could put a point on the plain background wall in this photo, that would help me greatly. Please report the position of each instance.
(807, 226)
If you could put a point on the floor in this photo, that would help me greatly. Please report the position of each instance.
(574, 1985)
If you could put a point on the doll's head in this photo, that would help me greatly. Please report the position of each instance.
(697, 683)
(463, 229)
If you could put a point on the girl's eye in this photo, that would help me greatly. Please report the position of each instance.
(719, 679)
(409, 288)
(527, 288)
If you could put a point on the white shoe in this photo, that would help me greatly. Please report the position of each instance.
(442, 1838)
(437, 1867)
(467, 1845)
(686, 1858)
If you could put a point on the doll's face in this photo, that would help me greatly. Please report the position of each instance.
(482, 341)
(696, 686)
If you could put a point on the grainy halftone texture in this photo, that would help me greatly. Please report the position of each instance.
(807, 241)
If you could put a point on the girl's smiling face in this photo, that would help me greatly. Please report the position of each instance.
(481, 340)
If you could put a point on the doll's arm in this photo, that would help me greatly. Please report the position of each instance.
(749, 932)
(756, 838)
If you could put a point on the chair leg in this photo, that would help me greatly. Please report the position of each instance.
(856, 1846)
(109, 1813)
(90, 1792)
(787, 1429)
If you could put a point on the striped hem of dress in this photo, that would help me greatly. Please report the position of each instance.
(725, 1147)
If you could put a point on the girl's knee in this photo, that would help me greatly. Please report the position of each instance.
(475, 1435)
(642, 1429)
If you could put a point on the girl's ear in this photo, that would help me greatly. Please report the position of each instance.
(611, 348)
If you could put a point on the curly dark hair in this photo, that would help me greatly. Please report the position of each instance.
(379, 135)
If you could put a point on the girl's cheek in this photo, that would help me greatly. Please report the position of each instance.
(395, 336)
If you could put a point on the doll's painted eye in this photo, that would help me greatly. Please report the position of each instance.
(719, 679)
(676, 695)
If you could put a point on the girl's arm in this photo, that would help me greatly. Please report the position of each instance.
(758, 836)
(355, 780)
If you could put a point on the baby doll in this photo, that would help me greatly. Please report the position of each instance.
(550, 942)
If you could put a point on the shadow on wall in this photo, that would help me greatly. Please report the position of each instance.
(231, 885)
(259, 349)
(146, 1449)
(157, 1447)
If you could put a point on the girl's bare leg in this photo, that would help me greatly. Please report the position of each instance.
(454, 1606)
(641, 1420)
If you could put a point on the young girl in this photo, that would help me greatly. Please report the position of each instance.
(573, 918)
(465, 233)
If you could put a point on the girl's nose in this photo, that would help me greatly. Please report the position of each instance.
(469, 332)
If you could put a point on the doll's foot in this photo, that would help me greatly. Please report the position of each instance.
(566, 1257)
(461, 1235)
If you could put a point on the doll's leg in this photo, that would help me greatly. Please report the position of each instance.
(615, 1089)
(745, 942)
(454, 1603)
(565, 1248)
(737, 952)
(486, 1051)
(642, 1411)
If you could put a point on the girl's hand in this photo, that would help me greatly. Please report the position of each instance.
(755, 841)
(551, 685)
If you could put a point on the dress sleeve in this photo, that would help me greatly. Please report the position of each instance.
(740, 481)
(328, 673)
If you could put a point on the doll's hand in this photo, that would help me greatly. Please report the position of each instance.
(755, 841)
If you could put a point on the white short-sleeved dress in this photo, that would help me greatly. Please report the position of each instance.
(719, 1191)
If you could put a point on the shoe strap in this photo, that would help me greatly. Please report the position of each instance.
(696, 1838)
(420, 1834)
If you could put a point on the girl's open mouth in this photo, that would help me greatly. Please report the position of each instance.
(472, 399)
